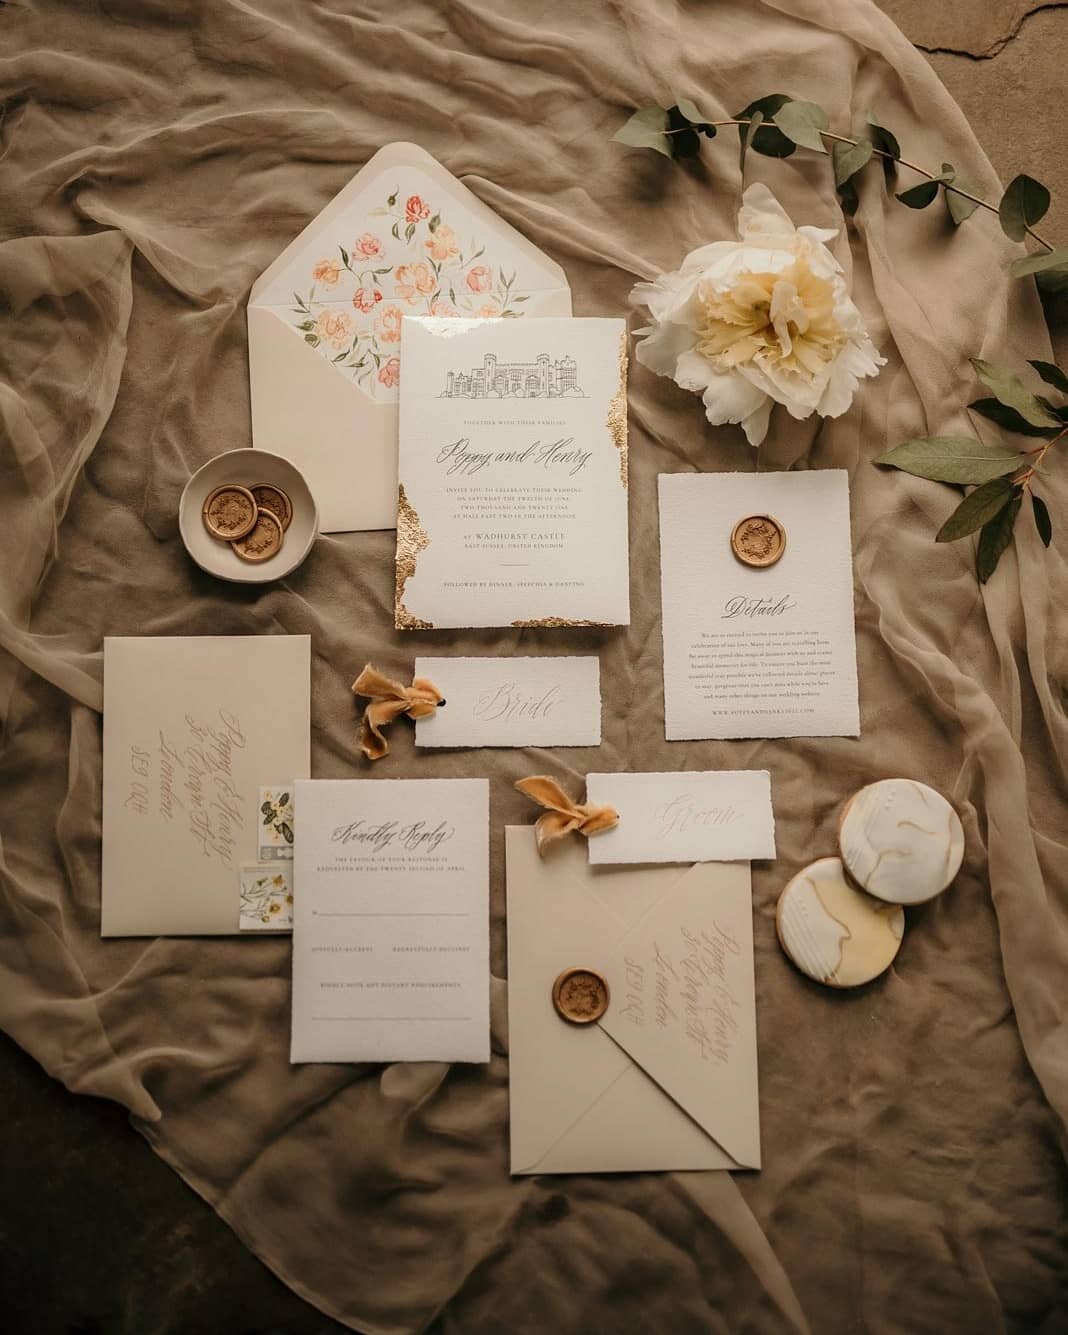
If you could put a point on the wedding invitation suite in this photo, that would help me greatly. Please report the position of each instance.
(666, 1078)
(192, 728)
(758, 650)
(391, 920)
(512, 504)
(714, 816)
(512, 702)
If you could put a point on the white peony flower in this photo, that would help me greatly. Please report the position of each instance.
(766, 319)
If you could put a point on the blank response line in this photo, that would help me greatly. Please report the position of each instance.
(396, 1019)
(393, 915)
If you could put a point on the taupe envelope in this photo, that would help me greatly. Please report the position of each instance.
(667, 1079)
(324, 349)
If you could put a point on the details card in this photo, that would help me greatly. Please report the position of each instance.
(762, 646)
(710, 816)
(512, 702)
(512, 505)
(391, 920)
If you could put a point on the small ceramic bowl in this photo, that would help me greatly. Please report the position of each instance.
(249, 468)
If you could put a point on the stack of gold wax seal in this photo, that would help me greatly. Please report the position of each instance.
(253, 520)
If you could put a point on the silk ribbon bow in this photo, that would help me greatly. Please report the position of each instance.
(389, 699)
(563, 815)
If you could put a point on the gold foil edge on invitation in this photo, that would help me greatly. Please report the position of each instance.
(412, 539)
(617, 412)
(550, 623)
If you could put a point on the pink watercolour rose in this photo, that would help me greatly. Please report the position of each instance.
(479, 279)
(445, 309)
(327, 271)
(415, 210)
(488, 312)
(366, 299)
(335, 328)
(443, 243)
(414, 281)
(368, 246)
(389, 372)
(388, 324)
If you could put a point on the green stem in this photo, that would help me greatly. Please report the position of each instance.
(1024, 479)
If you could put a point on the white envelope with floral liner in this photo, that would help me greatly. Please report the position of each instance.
(404, 237)
(667, 1078)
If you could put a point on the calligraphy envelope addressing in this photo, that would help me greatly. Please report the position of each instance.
(512, 702)
(686, 816)
(667, 1077)
(404, 237)
(192, 728)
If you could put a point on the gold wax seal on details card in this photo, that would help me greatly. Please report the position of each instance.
(758, 540)
(580, 996)
(262, 541)
(270, 497)
(229, 512)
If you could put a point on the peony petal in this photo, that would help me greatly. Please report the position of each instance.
(755, 425)
(731, 397)
(857, 360)
(694, 372)
(761, 215)
(661, 350)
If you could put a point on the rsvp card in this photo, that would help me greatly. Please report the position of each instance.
(512, 702)
(512, 506)
(764, 650)
(714, 816)
(391, 920)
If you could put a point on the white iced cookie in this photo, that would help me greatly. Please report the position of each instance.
(901, 841)
(834, 932)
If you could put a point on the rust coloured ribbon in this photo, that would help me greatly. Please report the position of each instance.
(562, 816)
(389, 699)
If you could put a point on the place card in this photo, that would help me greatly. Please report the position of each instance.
(758, 632)
(512, 702)
(685, 816)
(512, 505)
(391, 920)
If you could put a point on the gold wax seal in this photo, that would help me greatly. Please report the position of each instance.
(229, 512)
(580, 996)
(262, 541)
(270, 497)
(758, 540)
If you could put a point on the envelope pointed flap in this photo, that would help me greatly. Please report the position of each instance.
(683, 1003)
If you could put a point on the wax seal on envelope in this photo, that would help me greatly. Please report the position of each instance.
(758, 540)
(833, 932)
(901, 841)
(580, 996)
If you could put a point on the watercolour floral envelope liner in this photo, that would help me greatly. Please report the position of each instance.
(404, 237)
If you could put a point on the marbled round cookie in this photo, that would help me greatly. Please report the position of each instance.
(901, 841)
(833, 932)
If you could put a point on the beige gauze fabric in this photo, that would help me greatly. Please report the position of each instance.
(154, 157)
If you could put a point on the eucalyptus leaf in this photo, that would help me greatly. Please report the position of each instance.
(884, 140)
(960, 459)
(919, 196)
(749, 137)
(1053, 281)
(1007, 418)
(850, 159)
(847, 195)
(687, 108)
(1048, 259)
(683, 139)
(645, 129)
(994, 537)
(769, 139)
(1024, 203)
(977, 509)
(802, 123)
(1042, 520)
(960, 206)
(1052, 375)
(1009, 390)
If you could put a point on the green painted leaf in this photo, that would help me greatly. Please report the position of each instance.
(1048, 259)
(1042, 520)
(977, 509)
(994, 537)
(919, 196)
(769, 140)
(850, 159)
(749, 137)
(684, 141)
(960, 459)
(802, 123)
(959, 206)
(645, 129)
(884, 140)
(1024, 203)
(1052, 375)
(1008, 389)
(287, 832)
(266, 809)
(1007, 418)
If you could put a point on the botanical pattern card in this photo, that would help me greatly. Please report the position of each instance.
(391, 921)
(266, 897)
(512, 702)
(512, 505)
(403, 238)
(762, 646)
(684, 816)
(276, 823)
(191, 728)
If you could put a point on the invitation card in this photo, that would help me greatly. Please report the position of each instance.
(391, 920)
(660, 1071)
(512, 504)
(192, 728)
(512, 702)
(757, 588)
(685, 816)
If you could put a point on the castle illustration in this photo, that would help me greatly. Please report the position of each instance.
(542, 378)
